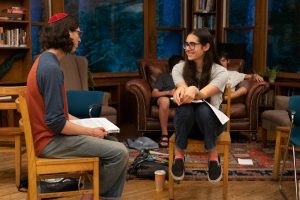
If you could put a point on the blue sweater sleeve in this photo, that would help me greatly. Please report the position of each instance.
(50, 81)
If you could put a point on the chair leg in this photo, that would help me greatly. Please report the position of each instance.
(283, 168)
(32, 187)
(295, 173)
(171, 180)
(96, 184)
(225, 171)
(277, 156)
(18, 159)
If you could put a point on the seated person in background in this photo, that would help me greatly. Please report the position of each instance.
(163, 90)
(234, 77)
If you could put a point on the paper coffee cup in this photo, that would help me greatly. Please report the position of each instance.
(159, 180)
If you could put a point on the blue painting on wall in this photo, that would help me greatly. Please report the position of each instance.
(113, 37)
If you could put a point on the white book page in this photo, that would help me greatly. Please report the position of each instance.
(97, 122)
(221, 116)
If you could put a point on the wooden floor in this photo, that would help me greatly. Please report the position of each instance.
(145, 189)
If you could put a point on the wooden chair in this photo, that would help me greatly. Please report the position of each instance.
(292, 142)
(10, 134)
(282, 134)
(41, 168)
(197, 146)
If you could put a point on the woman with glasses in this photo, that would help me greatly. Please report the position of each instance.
(200, 77)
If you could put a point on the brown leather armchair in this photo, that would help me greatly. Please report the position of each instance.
(244, 110)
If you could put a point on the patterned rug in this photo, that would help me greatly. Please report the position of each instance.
(261, 169)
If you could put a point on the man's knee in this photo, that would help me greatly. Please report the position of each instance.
(122, 152)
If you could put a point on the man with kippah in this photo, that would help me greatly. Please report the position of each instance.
(53, 133)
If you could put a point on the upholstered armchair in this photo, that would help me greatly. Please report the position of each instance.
(271, 119)
(147, 114)
(75, 69)
(244, 110)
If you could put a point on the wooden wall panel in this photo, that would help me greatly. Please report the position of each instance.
(260, 36)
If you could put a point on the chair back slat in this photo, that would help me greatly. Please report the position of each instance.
(226, 105)
(11, 90)
(26, 127)
(294, 105)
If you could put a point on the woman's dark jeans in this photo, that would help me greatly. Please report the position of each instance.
(197, 121)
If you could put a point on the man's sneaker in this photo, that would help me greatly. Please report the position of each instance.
(178, 169)
(214, 171)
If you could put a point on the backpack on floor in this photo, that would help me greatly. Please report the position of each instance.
(145, 164)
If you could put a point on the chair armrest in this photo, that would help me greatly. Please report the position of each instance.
(141, 90)
(254, 91)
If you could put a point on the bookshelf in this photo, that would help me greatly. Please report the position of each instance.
(15, 41)
(207, 14)
(204, 14)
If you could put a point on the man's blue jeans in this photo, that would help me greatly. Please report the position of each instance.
(113, 157)
(197, 121)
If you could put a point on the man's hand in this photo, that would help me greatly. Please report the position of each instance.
(258, 78)
(98, 132)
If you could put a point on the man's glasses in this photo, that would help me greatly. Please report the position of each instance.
(190, 45)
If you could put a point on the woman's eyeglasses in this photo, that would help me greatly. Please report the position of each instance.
(190, 45)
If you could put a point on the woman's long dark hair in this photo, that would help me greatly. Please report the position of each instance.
(56, 35)
(210, 57)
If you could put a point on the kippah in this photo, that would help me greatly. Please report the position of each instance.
(57, 17)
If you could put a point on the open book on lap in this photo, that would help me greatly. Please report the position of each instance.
(97, 122)
(220, 115)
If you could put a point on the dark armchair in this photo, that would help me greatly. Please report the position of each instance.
(244, 110)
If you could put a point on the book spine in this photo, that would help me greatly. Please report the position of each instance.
(1, 36)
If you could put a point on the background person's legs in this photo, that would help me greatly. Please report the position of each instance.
(163, 114)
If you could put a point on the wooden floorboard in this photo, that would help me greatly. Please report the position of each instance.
(145, 189)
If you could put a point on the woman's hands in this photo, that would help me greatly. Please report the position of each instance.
(184, 95)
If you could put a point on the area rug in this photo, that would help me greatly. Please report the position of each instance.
(261, 169)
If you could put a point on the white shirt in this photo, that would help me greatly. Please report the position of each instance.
(234, 78)
(218, 78)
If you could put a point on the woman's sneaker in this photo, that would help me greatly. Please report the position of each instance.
(178, 169)
(214, 171)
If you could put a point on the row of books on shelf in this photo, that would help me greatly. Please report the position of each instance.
(204, 6)
(204, 21)
(13, 13)
(12, 37)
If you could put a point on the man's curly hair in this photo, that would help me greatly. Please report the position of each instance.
(56, 35)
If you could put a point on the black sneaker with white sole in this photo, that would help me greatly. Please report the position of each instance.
(214, 171)
(178, 169)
